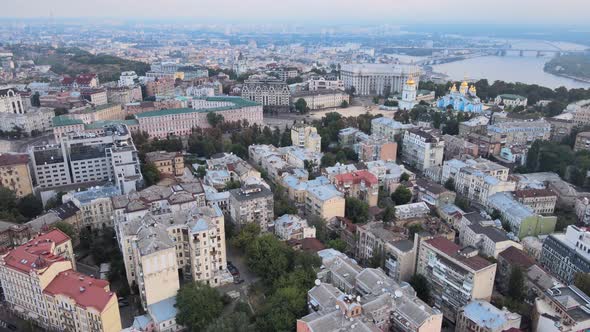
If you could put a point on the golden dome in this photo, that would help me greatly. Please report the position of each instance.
(454, 87)
(410, 80)
(464, 84)
(472, 88)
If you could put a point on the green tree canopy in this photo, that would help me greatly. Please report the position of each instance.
(301, 105)
(151, 174)
(356, 210)
(198, 305)
(67, 228)
(420, 285)
(30, 206)
(401, 195)
(268, 257)
(516, 284)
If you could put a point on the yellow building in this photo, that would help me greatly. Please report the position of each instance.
(324, 201)
(168, 163)
(40, 284)
(15, 175)
(306, 137)
(98, 113)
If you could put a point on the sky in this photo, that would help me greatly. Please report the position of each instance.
(293, 11)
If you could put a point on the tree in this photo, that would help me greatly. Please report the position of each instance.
(404, 177)
(197, 306)
(450, 184)
(151, 174)
(246, 236)
(214, 119)
(413, 229)
(68, 229)
(60, 111)
(201, 172)
(30, 206)
(337, 244)
(516, 284)
(301, 105)
(344, 104)
(232, 185)
(377, 259)
(35, 100)
(268, 257)
(356, 210)
(375, 100)
(420, 285)
(401, 195)
(582, 281)
(232, 322)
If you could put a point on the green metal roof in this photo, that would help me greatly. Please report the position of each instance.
(64, 120)
(237, 103)
(101, 124)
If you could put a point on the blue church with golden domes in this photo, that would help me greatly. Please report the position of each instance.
(464, 100)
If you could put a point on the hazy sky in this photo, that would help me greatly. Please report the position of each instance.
(393, 11)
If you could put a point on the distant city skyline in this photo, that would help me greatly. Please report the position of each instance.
(291, 11)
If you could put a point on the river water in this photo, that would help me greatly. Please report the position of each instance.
(525, 69)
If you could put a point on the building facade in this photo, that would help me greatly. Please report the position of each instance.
(267, 91)
(421, 149)
(377, 79)
(167, 163)
(321, 99)
(306, 137)
(463, 100)
(564, 255)
(15, 174)
(252, 204)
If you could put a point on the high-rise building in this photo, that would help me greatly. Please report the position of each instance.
(252, 204)
(422, 149)
(455, 276)
(564, 255)
(377, 79)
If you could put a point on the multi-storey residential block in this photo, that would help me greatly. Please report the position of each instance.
(520, 132)
(358, 184)
(15, 175)
(458, 147)
(399, 252)
(181, 121)
(390, 306)
(422, 149)
(252, 204)
(39, 283)
(34, 120)
(433, 193)
(321, 99)
(96, 207)
(388, 128)
(128, 78)
(321, 83)
(306, 137)
(324, 201)
(124, 95)
(509, 259)
(542, 201)
(582, 208)
(456, 276)
(266, 91)
(523, 220)
(87, 157)
(156, 246)
(97, 113)
(377, 79)
(411, 210)
(168, 163)
(478, 186)
(561, 308)
(485, 235)
(95, 97)
(564, 255)
(482, 316)
(238, 169)
(582, 141)
(293, 227)
(160, 88)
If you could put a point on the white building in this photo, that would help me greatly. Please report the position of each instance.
(128, 78)
(422, 150)
(320, 83)
(293, 227)
(409, 91)
(510, 100)
(11, 101)
(35, 119)
(412, 210)
(377, 79)
(321, 99)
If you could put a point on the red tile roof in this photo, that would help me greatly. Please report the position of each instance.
(37, 253)
(515, 256)
(356, 177)
(526, 193)
(453, 250)
(13, 159)
(84, 290)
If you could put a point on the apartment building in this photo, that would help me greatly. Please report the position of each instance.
(422, 149)
(508, 260)
(306, 137)
(292, 227)
(478, 186)
(561, 308)
(361, 184)
(11, 101)
(321, 83)
(181, 121)
(377, 79)
(161, 88)
(456, 275)
(482, 316)
(399, 252)
(34, 120)
(95, 205)
(381, 305)
(267, 91)
(39, 283)
(321, 99)
(167, 163)
(297, 187)
(565, 254)
(324, 201)
(95, 97)
(541, 201)
(582, 141)
(519, 132)
(433, 193)
(89, 157)
(582, 208)
(124, 95)
(411, 210)
(252, 204)
(389, 128)
(368, 147)
(158, 246)
(15, 174)
(457, 147)
(238, 169)
(479, 232)
(523, 220)
(90, 114)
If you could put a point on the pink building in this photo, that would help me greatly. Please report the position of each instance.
(359, 184)
(181, 121)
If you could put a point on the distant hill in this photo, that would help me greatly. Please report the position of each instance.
(73, 61)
